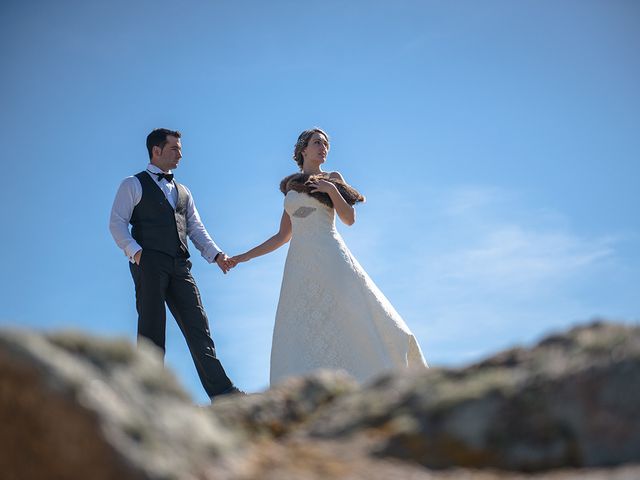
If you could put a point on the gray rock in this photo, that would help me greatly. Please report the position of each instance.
(571, 401)
(72, 406)
(77, 407)
(282, 409)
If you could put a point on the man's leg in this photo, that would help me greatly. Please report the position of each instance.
(183, 299)
(151, 279)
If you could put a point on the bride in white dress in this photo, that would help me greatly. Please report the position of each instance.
(330, 313)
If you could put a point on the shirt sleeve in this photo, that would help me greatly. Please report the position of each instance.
(198, 234)
(128, 196)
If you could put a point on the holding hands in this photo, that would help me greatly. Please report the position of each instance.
(236, 259)
(227, 263)
(224, 262)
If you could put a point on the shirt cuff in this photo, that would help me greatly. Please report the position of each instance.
(210, 254)
(131, 249)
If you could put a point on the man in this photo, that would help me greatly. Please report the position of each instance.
(162, 214)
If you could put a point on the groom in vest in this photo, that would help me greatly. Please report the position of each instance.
(162, 215)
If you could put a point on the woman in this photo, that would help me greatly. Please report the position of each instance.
(330, 313)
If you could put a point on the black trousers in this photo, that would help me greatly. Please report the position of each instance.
(160, 278)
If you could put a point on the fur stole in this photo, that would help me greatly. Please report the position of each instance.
(299, 183)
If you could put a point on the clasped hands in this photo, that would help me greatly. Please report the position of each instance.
(222, 260)
(227, 263)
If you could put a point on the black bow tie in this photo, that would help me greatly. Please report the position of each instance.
(167, 176)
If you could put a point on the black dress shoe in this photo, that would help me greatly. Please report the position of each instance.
(232, 390)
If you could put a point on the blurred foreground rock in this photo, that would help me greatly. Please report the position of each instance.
(77, 407)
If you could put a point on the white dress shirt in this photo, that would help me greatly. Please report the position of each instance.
(129, 195)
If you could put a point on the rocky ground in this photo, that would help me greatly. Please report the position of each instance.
(79, 407)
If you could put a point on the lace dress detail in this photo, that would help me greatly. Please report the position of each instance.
(330, 313)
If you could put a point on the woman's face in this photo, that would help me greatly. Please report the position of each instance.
(316, 150)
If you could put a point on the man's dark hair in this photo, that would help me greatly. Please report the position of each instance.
(158, 138)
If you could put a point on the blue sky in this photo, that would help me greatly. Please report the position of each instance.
(497, 142)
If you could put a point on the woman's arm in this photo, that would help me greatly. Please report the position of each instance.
(345, 211)
(268, 246)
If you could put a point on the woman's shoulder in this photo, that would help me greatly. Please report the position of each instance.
(336, 175)
(350, 194)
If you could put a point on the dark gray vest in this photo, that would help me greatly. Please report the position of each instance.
(154, 223)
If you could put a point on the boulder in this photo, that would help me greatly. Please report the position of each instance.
(573, 400)
(74, 406)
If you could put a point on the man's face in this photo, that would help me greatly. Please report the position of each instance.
(170, 155)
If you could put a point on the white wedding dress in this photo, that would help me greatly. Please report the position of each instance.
(331, 314)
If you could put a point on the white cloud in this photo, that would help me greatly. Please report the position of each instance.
(513, 245)
(509, 255)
